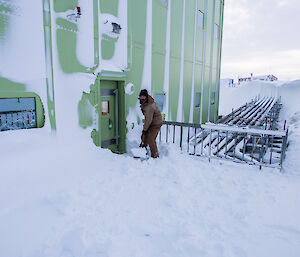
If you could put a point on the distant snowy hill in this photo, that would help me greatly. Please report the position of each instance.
(237, 95)
(58, 199)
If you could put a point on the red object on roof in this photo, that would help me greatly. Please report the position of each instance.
(78, 9)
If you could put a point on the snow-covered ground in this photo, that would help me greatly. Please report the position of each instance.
(60, 199)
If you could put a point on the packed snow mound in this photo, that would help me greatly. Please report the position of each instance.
(232, 97)
(290, 95)
(64, 198)
(139, 152)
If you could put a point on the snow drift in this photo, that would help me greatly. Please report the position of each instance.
(63, 199)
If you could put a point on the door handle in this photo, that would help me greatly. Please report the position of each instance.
(110, 124)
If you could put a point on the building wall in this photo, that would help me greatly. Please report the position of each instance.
(161, 47)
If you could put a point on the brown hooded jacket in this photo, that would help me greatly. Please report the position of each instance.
(152, 114)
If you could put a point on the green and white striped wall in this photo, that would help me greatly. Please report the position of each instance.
(163, 46)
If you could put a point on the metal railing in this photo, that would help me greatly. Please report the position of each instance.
(262, 112)
(14, 120)
(250, 145)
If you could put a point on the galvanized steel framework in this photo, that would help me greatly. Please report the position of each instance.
(248, 135)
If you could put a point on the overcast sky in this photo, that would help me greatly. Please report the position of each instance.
(263, 37)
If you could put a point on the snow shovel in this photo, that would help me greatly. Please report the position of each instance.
(139, 153)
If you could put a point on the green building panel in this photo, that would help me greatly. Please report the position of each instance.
(110, 7)
(159, 30)
(175, 56)
(197, 92)
(190, 10)
(5, 12)
(136, 48)
(64, 5)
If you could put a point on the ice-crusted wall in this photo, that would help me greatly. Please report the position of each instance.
(22, 52)
(75, 71)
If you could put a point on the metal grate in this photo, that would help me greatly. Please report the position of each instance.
(17, 113)
(245, 145)
(247, 135)
(258, 113)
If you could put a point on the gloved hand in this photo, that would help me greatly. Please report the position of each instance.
(143, 136)
(142, 144)
(143, 139)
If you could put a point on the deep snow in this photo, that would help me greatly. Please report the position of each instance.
(61, 198)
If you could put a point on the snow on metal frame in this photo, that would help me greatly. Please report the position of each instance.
(212, 146)
(244, 130)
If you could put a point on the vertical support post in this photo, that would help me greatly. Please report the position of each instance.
(226, 145)
(202, 139)
(244, 146)
(203, 59)
(116, 92)
(234, 146)
(181, 131)
(210, 138)
(23, 119)
(195, 141)
(173, 134)
(283, 148)
(271, 153)
(188, 140)
(49, 62)
(266, 122)
(253, 146)
(261, 152)
(284, 125)
(218, 142)
(167, 131)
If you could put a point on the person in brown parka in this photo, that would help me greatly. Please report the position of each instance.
(152, 123)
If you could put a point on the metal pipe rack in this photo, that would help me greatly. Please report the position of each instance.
(247, 135)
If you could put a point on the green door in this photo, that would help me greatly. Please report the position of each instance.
(109, 114)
